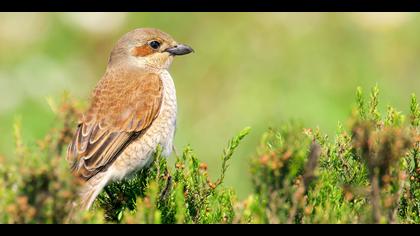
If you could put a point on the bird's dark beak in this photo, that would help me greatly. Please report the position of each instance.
(180, 49)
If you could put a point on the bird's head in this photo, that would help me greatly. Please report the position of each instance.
(147, 48)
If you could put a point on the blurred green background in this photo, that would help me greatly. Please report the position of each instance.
(249, 69)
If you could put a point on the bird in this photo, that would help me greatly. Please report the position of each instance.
(132, 110)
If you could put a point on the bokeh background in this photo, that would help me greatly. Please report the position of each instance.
(249, 69)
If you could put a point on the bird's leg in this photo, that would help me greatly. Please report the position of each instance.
(166, 190)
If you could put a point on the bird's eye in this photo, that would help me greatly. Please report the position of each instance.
(154, 44)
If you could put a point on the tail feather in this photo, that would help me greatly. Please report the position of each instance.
(88, 193)
(88, 196)
(91, 190)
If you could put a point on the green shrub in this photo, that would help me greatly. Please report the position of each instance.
(183, 194)
(369, 172)
(36, 185)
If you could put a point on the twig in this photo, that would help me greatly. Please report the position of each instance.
(308, 176)
(393, 214)
(166, 190)
(375, 194)
(311, 165)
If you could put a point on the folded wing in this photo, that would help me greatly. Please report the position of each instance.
(124, 104)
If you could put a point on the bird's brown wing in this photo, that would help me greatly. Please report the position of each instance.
(124, 104)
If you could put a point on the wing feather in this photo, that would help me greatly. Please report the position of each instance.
(124, 104)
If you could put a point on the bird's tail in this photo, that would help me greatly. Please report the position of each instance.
(87, 194)
(87, 197)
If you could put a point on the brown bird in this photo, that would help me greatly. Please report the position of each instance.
(133, 110)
